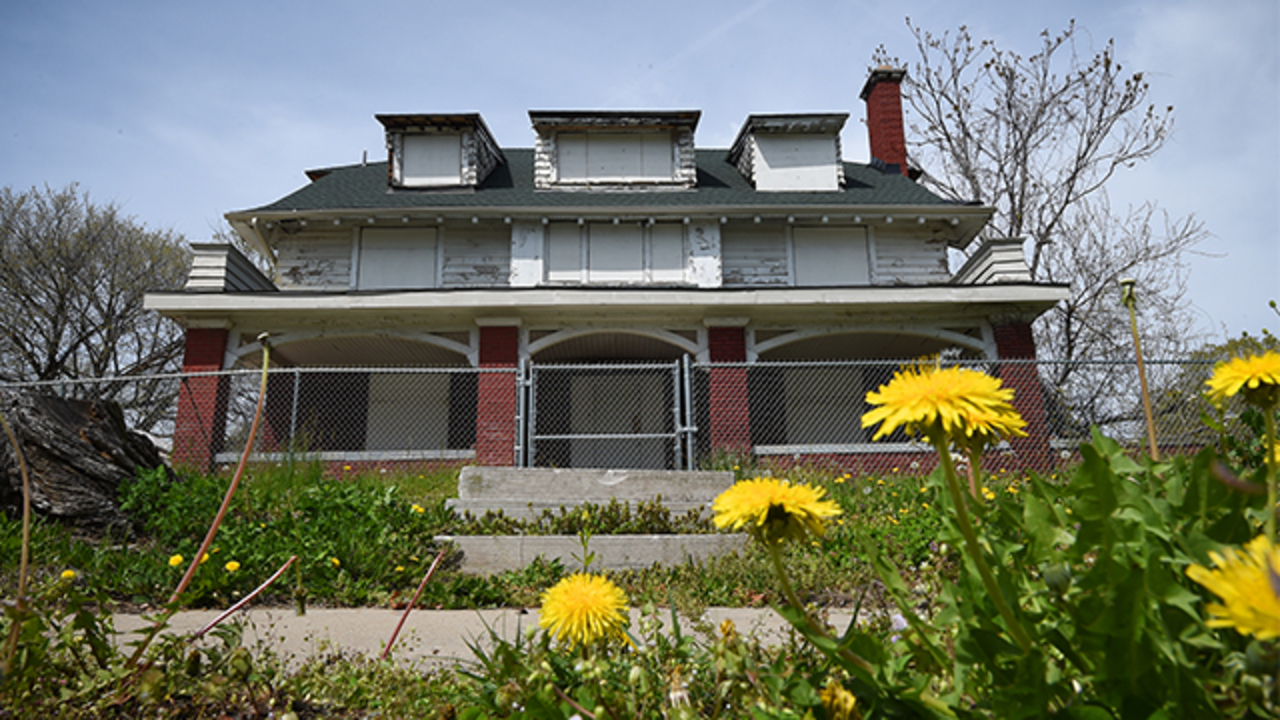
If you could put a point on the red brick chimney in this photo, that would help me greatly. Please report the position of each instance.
(884, 118)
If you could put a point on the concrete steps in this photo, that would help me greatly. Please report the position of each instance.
(523, 493)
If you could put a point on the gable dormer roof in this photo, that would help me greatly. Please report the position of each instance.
(439, 150)
(790, 152)
(614, 149)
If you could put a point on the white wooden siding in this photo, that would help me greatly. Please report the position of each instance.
(754, 256)
(397, 259)
(830, 256)
(315, 261)
(476, 258)
(903, 259)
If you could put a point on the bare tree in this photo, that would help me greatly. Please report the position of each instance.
(1038, 138)
(72, 279)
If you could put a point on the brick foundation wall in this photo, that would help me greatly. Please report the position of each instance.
(730, 410)
(1015, 342)
(201, 424)
(496, 397)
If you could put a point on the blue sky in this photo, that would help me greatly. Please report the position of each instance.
(180, 112)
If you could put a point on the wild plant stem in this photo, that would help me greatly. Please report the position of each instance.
(1269, 416)
(246, 600)
(414, 601)
(789, 592)
(11, 645)
(974, 548)
(172, 606)
(1130, 301)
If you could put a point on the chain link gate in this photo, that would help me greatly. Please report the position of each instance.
(623, 415)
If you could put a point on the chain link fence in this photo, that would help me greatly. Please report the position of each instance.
(673, 415)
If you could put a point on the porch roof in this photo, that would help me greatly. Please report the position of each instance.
(558, 307)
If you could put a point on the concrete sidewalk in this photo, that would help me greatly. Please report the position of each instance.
(429, 637)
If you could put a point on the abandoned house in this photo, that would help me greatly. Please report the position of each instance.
(764, 280)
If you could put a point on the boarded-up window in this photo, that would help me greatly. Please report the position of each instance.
(431, 160)
(408, 412)
(615, 253)
(614, 157)
(397, 259)
(796, 162)
(830, 256)
(609, 253)
(666, 252)
(564, 252)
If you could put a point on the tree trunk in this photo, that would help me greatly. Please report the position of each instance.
(77, 454)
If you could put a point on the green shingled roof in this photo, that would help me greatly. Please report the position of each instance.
(511, 185)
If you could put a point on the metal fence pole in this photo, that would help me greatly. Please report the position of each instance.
(522, 387)
(676, 428)
(531, 421)
(690, 422)
(293, 411)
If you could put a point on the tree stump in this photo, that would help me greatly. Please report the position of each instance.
(77, 452)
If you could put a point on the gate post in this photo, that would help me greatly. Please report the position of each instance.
(201, 425)
(1014, 342)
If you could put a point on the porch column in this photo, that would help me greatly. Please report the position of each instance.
(730, 413)
(1014, 342)
(200, 428)
(496, 395)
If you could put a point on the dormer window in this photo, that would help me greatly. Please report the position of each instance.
(439, 151)
(790, 152)
(614, 150)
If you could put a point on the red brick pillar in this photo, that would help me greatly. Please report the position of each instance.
(201, 425)
(1014, 342)
(496, 397)
(730, 412)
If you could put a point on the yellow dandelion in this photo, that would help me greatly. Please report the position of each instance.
(204, 558)
(1257, 376)
(417, 508)
(839, 703)
(1246, 582)
(399, 568)
(582, 608)
(728, 630)
(232, 566)
(962, 403)
(924, 506)
(175, 560)
(988, 494)
(68, 574)
(893, 519)
(335, 562)
(774, 510)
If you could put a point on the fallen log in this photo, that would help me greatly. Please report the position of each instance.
(77, 453)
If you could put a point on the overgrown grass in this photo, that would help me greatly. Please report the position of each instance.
(366, 539)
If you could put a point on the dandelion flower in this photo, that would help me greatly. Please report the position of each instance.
(963, 403)
(204, 558)
(1248, 583)
(839, 703)
(1257, 376)
(773, 510)
(175, 560)
(232, 566)
(399, 568)
(418, 508)
(582, 608)
(68, 574)
(335, 561)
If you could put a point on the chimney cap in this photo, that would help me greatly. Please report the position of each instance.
(884, 73)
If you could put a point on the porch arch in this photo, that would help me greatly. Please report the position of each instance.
(871, 343)
(317, 348)
(611, 344)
